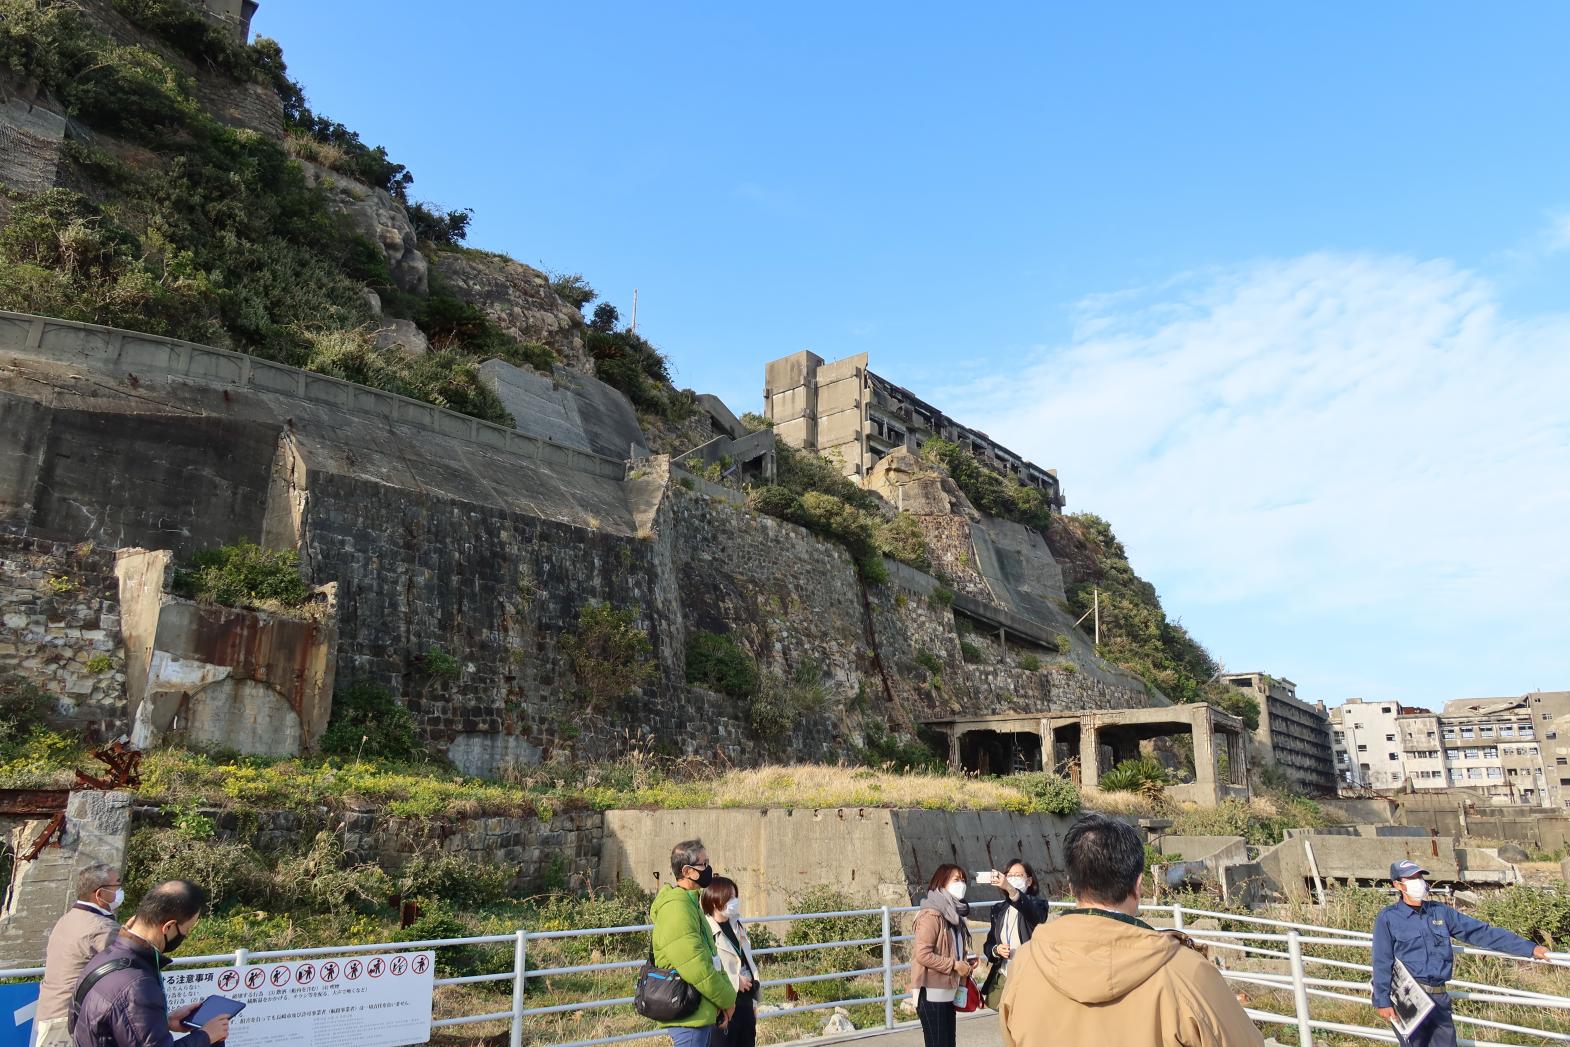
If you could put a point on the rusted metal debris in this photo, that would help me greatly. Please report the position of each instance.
(125, 772)
(33, 803)
(51, 831)
(125, 768)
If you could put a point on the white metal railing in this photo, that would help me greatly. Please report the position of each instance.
(1277, 939)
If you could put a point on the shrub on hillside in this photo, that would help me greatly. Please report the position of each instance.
(1539, 913)
(455, 879)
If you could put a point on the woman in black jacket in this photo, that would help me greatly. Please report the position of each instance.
(1013, 921)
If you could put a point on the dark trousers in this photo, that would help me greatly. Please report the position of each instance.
(1437, 1030)
(937, 1021)
(743, 1028)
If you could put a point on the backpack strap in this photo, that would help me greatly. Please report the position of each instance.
(88, 983)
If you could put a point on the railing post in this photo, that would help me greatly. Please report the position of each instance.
(520, 951)
(242, 957)
(888, 972)
(1305, 1035)
(1177, 916)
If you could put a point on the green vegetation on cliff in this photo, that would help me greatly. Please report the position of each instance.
(987, 489)
(179, 225)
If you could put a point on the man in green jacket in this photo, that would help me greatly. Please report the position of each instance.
(682, 941)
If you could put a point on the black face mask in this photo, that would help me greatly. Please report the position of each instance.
(706, 877)
(173, 942)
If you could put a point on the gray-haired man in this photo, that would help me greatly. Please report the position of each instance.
(82, 933)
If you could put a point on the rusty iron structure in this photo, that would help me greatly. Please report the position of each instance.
(125, 772)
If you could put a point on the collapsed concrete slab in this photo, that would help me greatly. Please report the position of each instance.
(222, 677)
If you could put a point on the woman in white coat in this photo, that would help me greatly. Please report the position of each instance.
(722, 908)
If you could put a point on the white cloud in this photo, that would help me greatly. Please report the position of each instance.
(1299, 451)
(1557, 235)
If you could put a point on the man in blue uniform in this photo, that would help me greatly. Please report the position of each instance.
(1417, 932)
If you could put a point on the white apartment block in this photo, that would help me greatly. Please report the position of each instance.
(1367, 744)
(1507, 749)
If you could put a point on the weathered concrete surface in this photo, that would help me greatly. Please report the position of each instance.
(1204, 858)
(97, 826)
(224, 677)
(1350, 854)
(32, 133)
(569, 408)
(487, 545)
(880, 857)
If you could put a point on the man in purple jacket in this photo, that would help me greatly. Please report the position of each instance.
(119, 1000)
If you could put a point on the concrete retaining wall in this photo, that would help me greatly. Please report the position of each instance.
(879, 857)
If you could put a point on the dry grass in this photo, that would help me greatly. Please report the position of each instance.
(302, 146)
(818, 786)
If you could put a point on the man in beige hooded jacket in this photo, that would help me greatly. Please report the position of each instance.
(1100, 975)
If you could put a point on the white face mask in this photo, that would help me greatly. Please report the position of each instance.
(733, 908)
(957, 889)
(119, 899)
(1019, 883)
(1416, 890)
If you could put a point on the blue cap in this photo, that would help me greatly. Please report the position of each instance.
(1405, 869)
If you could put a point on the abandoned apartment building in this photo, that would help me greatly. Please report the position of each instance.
(844, 410)
(1292, 734)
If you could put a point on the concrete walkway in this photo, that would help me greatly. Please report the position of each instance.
(972, 1030)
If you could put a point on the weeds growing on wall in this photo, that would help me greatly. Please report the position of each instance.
(1132, 775)
(610, 655)
(368, 721)
(716, 662)
(243, 575)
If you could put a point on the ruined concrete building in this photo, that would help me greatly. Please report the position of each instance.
(844, 410)
(1292, 734)
(1506, 750)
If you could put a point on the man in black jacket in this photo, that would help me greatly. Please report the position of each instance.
(119, 1000)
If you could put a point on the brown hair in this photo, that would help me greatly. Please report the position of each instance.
(720, 890)
(945, 873)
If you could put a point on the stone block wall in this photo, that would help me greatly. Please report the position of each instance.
(558, 849)
(60, 629)
(498, 591)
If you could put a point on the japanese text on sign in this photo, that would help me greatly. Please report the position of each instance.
(377, 1000)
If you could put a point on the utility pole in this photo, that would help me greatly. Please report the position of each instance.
(634, 327)
(1096, 593)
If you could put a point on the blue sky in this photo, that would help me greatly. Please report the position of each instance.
(1279, 292)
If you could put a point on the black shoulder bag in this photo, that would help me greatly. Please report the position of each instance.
(86, 985)
(661, 995)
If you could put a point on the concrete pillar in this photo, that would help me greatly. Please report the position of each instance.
(954, 748)
(1089, 754)
(1205, 752)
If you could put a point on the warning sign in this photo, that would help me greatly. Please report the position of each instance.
(357, 1001)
